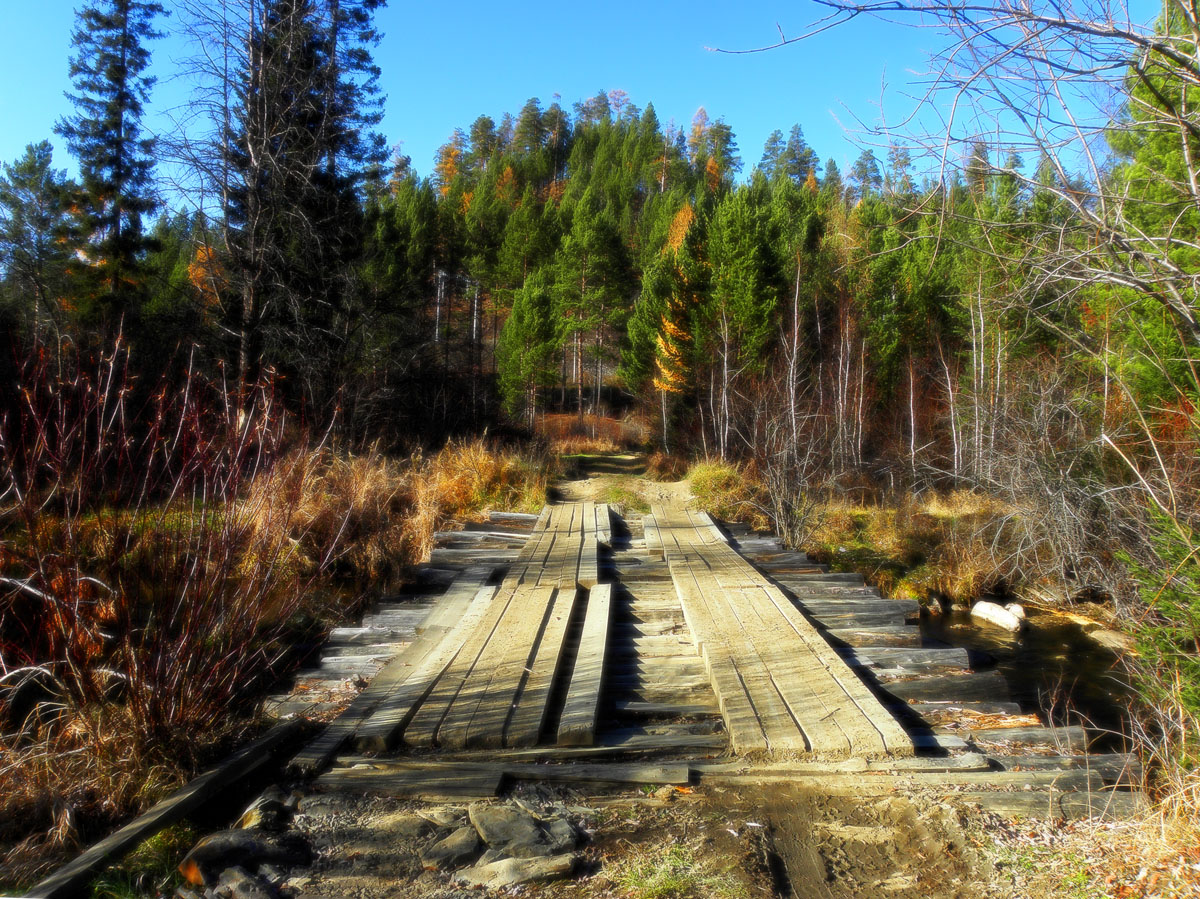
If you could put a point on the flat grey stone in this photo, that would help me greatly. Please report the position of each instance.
(561, 835)
(499, 825)
(457, 849)
(492, 855)
(405, 826)
(513, 871)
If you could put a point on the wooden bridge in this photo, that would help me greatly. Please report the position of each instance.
(580, 635)
(528, 660)
(581, 647)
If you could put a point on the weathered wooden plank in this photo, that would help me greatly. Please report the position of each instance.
(578, 773)
(1067, 739)
(577, 726)
(667, 709)
(517, 518)
(978, 708)
(901, 608)
(395, 710)
(624, 743)
(1072, 805)
(604, 524)
(454, 602)
(480, 710)
(73, 878)
(316, 755)
(895, 739)
(882, 635)
(699, 602)
(423, 728)
(917, 660)
(533, 703)
(982, 685)
(1120, 768)
(654, 543)
(449, 783)
(589, 563)
(801, 715)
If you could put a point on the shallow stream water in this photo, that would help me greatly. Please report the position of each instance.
(1051, 668)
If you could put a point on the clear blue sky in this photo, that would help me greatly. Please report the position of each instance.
(441, 69)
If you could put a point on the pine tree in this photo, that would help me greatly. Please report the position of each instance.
(739, 311)
(773, 149)
(294, 206)
(865, 175)
(105, 135)
(799, 160)
(34, 225)
(832, 187)
(527, 347)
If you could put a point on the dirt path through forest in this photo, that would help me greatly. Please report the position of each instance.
(612, 478)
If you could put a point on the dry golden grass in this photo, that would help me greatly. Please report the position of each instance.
(950, 546)
(729, 492)
(662, 466)
(225, 585)
(371, 515)
(61, 790)
(571, 435)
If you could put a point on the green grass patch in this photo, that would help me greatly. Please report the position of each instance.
(676, 872)
(630, 500)
(729, 493)
(149, 870)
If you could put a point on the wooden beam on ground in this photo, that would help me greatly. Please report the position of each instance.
(654, 544)
(594, 773)
(577, 726)
(448, 782)
(604, 524)
(482, 709)
(982, 685)
(73, 878)
(529, 716)
(423, 727)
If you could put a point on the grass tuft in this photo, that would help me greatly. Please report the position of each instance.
(729, 492)
(662, 466)
(677, 872)
(571, 435)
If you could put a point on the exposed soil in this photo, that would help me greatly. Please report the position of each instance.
(596, 477)
(796, 840)
(869, 845)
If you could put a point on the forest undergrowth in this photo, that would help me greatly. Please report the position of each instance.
(156, 583)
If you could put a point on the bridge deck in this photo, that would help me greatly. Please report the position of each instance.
(492, 680)
(531, 655)
(782, 688)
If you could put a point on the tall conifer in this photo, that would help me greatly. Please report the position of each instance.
(108, 69)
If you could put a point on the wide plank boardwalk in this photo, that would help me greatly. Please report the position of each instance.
(491, 682)
(782, 688)
(531, 654)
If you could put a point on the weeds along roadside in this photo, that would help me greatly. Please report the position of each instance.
(158, 564)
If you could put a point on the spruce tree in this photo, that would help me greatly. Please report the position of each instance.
(772, 156)
(298, 154)
(34, 223)
(105, 134)
(799, 160)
